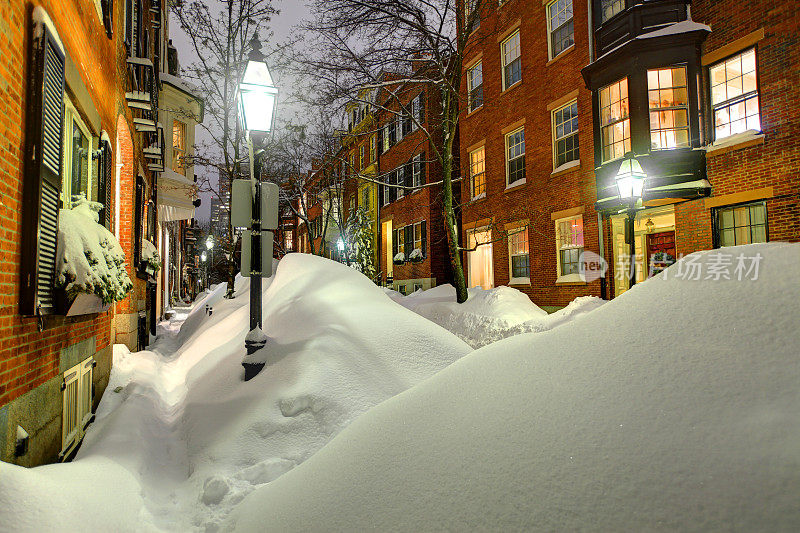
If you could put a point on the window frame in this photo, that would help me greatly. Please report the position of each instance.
(716, 230)
(177, 152)
(504, 65)
(732, 101)
(574, 276)
(576, 133)
(470, 89)
(72, 118)
(470, 165)
(550, 30)
(615, 122)
(508, 161)
(685, 108)
(512, 280)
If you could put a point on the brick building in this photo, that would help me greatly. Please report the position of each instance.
(558, 94)
(413, 250)
(80, 97)
(528, 191)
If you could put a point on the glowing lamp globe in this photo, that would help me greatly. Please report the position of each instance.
(630, 179)
(257, 94)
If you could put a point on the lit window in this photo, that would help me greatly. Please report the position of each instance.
(669, 108)
(560, 25)
(519, 258)
(77, 168)
(565, 134)
(569, 241)
(512, 63)
(743, 224)
(477, 172)
(734, 95)
(475, 85)
(515, 156)
(178, 146)
(614, 123)
(287, 241)
(609, 8)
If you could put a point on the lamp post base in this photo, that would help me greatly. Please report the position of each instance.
(251, 370)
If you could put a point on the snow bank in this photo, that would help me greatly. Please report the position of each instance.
(185, 439)
(489, 315)
(89, 258)
(673, 407)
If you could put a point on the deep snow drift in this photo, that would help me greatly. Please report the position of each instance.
(489, 315)
(185, 439)
(673, 407)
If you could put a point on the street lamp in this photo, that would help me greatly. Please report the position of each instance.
(630, 183)
(257, 99)
(203, 257)
(210, 242)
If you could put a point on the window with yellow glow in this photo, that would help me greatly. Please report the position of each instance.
(178, 147)
(615, 125)
(669, 108)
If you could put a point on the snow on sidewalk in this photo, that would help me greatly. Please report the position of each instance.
(673, 407)
(180, 439)
(489, 315)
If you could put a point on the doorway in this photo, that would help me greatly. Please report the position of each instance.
(387, 246)
(654, 232)
(480, 268)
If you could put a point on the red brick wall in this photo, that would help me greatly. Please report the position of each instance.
(543, 192)
(28, 357)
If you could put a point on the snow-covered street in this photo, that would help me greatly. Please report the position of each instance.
(674, 406)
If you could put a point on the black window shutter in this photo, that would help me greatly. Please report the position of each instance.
(393, 190)
(421, 117)
(104, 186)
(424, 231)
(137, 27)
(108, 17)
(129, 15)
(409, 239)
(422, 177)
(395, 242)
(379, 141)
(42, 189)
(408, 176)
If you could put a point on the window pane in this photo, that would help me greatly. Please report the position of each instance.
(734, 95)
(668, 102)
(615, 132)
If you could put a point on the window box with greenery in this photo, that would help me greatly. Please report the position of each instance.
(90, 264)
(416, 256)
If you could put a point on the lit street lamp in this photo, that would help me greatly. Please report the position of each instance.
(257, 99)
(203, 257)
(630, 183)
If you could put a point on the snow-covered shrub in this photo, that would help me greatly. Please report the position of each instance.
(359, 241)
(89, 260)
(400, 258)
(150, 257)
(415, 255)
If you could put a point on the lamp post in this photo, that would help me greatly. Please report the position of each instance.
(257, 99)
(203, 257)
(630, 183)
(210, 248)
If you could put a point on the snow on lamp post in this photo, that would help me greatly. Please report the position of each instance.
(257, 99)
(630, 183)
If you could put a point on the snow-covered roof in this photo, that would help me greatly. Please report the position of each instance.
(684, 26)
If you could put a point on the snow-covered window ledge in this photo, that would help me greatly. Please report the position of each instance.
(566, 166)
(90, 264)
(735, 142)
(399, 259)
(574, 279)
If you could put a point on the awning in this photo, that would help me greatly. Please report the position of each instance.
(175, 196)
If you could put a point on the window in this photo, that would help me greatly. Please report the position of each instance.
(515, 157)
(734, 95)
(560, 26)
(519, 259)
(609, 8)
(669, 108)
(372, 141)
(77, 159)
(569, 243)
(178, 146)
(615, 126)
(361, 156)
(742, 224)
(365, 198)
(418, 167)
(565, 134)
(480, 268)
(77, 405)
(407, 122)
(475, 86)
(470, 9)
(418, 109)
(385, 144)
(477, 172)
(402, 176)
(288, 242)
(392, 129)
(512, 63)
(420, 238)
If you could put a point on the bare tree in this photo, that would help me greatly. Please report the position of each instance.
(359, 41)
(221, 36)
